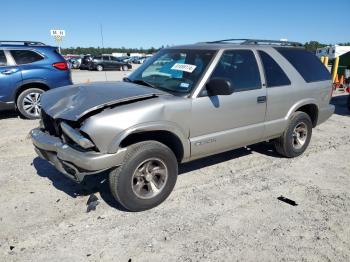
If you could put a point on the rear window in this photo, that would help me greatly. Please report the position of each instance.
(275, 76)
(25, 56)
(306, 63)
(3, 61)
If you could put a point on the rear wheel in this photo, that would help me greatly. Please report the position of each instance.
(99, 68)
(146, 177)
(125, 68)
(29, 103)
(296, 137)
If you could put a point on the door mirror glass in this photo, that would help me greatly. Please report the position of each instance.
(219, 86)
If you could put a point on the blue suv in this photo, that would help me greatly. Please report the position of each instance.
(27, 69)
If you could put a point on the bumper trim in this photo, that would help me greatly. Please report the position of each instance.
(71, 162)
(325, 113)
(7, 106)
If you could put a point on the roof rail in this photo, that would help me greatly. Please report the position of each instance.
(27, 43)
(258, 42)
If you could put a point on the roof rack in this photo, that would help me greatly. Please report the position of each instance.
(27, 43)
(257, 42)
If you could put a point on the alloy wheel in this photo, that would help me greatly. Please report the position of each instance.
(149, 178)
(31, 104)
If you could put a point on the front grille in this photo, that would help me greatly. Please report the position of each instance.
(50, 124)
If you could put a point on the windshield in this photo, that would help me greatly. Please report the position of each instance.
(173, 70)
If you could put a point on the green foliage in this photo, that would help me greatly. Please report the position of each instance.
(313, 45)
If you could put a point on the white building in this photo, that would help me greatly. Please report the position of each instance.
(332, 51)
(119, 54)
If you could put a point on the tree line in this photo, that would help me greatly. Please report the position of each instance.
(108, 50)
(311, 46)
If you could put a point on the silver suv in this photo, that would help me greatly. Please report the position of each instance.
(184, 103)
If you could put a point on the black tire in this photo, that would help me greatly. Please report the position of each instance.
(22, 103)
(121, 179)
(125, 68)
(99, 68)
(285, 144)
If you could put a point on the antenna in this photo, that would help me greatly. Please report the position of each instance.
(103, 46)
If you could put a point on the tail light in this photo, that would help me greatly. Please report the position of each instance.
(348, 89)
(61, 65)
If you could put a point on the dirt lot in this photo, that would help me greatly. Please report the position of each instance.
(223, 208)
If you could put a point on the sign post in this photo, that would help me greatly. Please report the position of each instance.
(58, 34)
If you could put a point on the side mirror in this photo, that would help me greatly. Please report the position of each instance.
(219, 86)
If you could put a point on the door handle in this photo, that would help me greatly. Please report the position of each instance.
(9, 72)
(261, 99)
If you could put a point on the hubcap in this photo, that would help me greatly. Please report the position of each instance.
(31, 104)
(149, 178)
(299, 135)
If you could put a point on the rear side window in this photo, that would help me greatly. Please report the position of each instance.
(241, 68)
(3, 61)
(275, 76)
(105, 58)
(306, 63)
(25, 56)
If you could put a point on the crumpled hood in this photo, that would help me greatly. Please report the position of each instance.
(73, 102)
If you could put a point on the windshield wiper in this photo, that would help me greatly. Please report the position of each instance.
(139, 81)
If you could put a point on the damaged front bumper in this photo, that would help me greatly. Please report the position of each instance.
(73, 163)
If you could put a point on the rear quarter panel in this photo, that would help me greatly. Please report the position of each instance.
(282, 101)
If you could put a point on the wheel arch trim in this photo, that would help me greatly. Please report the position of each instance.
(167, 126)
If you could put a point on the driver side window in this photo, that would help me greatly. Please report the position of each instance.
(240, 68)
(3, 60)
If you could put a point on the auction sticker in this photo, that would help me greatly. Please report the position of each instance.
(184, 67)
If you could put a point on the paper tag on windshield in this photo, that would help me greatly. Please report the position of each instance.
(184, 67)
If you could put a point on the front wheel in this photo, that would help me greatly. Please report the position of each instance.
(99, 68)
(296, 137)
(146, 177)
(29, 103)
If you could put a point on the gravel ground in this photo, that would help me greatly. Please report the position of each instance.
(223, 208)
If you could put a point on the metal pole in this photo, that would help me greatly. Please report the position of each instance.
(335, 68)
(322, 59)
(325, 62)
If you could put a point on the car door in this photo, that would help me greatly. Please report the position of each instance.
(10, 77)
(280, 91)
(115, 62)
(220, 123)
(106, 62)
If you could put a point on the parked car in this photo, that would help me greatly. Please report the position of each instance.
(85, 62)
(140, 60)
(208, 98)
(125, 59)
(27, 69)
(106, 62)
(75, 63)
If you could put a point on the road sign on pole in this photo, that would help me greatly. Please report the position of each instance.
(58, 34)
